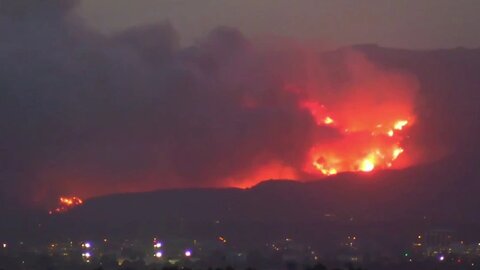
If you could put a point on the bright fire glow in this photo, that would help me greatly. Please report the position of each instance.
(327, 171)
(396, 152)
(363, 145)
(367, 165)
(65, 204)
(328, 120)
(307, 128)
(400, 124)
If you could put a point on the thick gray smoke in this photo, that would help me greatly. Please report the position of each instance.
(84, 113)
(87, 114)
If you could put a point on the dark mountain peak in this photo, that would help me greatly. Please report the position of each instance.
(276, 183)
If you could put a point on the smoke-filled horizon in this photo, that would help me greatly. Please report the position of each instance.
(86, 114)
(421, 24)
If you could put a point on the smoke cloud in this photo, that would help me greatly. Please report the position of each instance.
(87, 114)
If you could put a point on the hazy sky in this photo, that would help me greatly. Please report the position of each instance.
(395, 23)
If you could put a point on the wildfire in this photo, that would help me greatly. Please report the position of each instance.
(318, 112)
(400, 124)
(396, 152)
(327, 171)
(65, 204)
(367, 165)
(360, 147)
(328, 120)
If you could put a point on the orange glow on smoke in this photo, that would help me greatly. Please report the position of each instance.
(318, 111)
(354, 124)
(65, 204)
(269, 171)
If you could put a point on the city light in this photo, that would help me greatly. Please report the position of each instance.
(4, 245)
(86, 255)
(188, 253)
(157, 245)
(441, 258)
(86, 245)
(222, 239)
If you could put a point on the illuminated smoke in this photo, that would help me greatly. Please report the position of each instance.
(88, 114)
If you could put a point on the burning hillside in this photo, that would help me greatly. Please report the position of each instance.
(65, 204)
(135, 111)
(360, 125)
(359, 148)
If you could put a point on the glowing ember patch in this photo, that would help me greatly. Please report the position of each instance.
(357, 150)
(367, 165)
(328, 120)
(326, 165)
(321, 167)
(400, 124)
(396, 152)
(331, 171)
(65, 204)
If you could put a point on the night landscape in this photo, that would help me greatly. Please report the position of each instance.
(182, 134)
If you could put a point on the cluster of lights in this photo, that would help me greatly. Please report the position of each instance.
(86, 255)
(156, 245)
(159, 254)
(351, 240)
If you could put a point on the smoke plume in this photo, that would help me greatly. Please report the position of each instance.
(87, 114)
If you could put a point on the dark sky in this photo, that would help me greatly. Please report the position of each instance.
(393, 23)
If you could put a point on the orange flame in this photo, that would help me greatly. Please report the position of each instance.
(65, 204)
(367, 165)
(359, 148)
